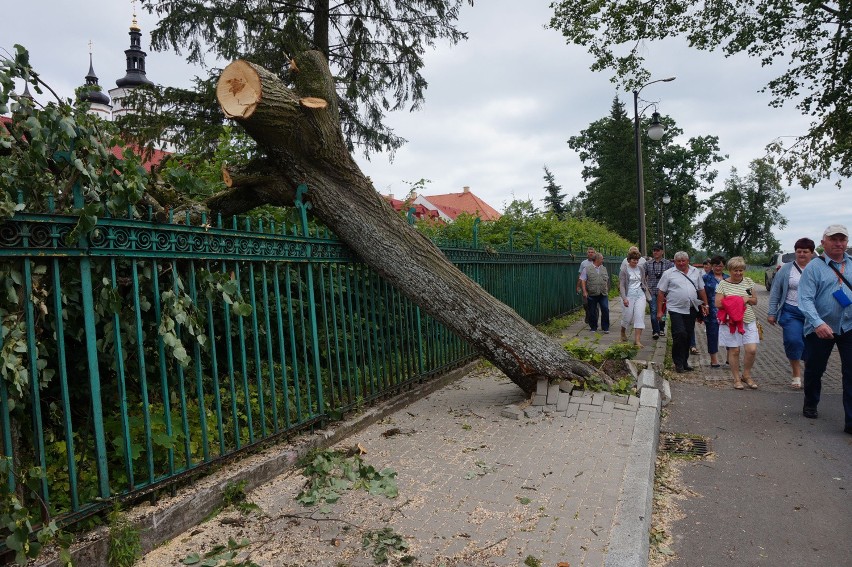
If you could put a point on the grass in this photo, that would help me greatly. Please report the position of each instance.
(757, 275)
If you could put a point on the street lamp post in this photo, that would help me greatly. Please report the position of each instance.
(666, 201)
(655, 132)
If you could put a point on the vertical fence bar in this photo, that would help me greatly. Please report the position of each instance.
(143, 378)
(258, 370)
(214, 365)
(32, 353)
(63, 387)
(344, 331)
(357, 338)
(269, 352)
(92, 356)
(282, 354)
(120, 375)
(229, 351)
(335, 327)
(161, 357)
(241, 338)
(199, 369)
(297, 396)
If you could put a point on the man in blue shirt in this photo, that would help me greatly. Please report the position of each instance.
(825, 300)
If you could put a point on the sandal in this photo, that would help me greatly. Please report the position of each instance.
(751, 383)
(738, 385)
(796, 384)
(693, 350)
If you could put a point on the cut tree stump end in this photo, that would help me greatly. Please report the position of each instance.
(239, 90)
(313, 102)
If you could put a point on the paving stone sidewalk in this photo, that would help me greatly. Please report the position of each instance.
(475, 487)
(771, 368)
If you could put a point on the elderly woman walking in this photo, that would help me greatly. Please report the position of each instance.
(784, 307)
(711, 323)
(634, 296)
(735, 300)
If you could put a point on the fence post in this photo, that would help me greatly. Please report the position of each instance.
(92, 356)
(312, 311)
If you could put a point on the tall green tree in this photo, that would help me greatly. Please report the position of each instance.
(743, 216)
(374, 48)
(813, 39)
(684, 173)
(607, 149)
(555, 199)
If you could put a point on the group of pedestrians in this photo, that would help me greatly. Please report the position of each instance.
(811, 301)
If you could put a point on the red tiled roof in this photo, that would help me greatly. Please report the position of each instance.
(155, 159)
(453, 204)
(420, 211)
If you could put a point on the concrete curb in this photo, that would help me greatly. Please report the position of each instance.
(629, 544)
(172, 516)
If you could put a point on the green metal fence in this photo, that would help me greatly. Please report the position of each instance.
(146, 351)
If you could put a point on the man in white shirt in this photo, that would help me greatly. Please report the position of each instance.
(682, 290)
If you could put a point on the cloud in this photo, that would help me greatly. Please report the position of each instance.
(498, 107)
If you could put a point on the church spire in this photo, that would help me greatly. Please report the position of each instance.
(94, 93)
(135, 58)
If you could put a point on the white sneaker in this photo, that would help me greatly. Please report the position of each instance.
(662, 332)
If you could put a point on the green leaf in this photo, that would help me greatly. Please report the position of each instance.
(191, 559)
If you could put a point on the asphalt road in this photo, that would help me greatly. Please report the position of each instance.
(777, 490)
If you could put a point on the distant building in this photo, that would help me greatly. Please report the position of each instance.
(446, 207)
(112, 106)
(454, 204)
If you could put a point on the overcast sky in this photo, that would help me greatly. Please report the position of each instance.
(499, 106)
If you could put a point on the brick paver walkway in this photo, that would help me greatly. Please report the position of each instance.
(771, 368)
(475, 487)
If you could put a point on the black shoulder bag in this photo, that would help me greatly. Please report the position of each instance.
(700, 316)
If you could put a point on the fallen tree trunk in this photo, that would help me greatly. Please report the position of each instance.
(299, 130)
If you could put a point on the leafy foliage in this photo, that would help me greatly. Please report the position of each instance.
(221, 556)
(812, 37)
(385, 544)
(18, 521)
(54, 153)
(235, 495)
(331, 472)
(521, 226)
(374, 48)
(743, 216)
(124, 543)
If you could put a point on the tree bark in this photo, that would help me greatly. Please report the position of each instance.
(305, 145)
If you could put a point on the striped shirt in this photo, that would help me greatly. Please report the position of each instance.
(726, 288)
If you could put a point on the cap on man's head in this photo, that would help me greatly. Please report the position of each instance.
(658, 246)
(836, 229)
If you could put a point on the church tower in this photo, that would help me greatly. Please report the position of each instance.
(99, 101)
(135, 76)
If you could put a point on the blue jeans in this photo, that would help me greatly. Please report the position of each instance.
(656, 325)
(792, 322)
(598, 302)
(817, 351)
(711, 326)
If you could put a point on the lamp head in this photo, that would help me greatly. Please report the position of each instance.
(656, 130)
(666, 199)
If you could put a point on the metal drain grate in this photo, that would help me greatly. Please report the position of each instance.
(684, 444)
